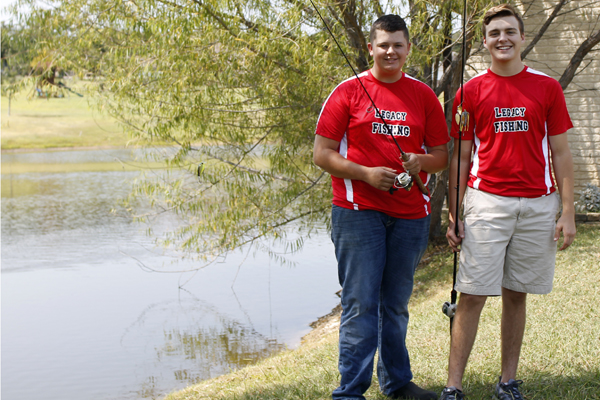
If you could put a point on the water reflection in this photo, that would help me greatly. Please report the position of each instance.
(82, 320)
(217, 348)
(80, 200)
(52, 220)
(198, 342)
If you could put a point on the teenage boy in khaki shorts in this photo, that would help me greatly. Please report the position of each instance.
(518, 123)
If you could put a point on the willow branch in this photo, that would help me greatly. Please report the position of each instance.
(577, 59)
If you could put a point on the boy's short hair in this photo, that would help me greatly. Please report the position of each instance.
(389, 23)
(502, 10)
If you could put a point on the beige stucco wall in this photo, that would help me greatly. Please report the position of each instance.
(551, 55)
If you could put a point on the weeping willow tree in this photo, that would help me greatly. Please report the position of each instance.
(237, 87)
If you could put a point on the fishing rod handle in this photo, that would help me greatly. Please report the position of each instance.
(417, 178)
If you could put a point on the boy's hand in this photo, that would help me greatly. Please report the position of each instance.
(566, 225)
(453, 240)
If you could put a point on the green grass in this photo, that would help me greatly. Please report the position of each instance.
(23, 168)
(71, 121)
(560, 357)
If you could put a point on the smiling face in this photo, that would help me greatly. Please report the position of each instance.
(504, 40)
(389, 51)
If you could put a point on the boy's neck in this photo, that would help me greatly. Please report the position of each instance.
(507, 68)
(386, 78)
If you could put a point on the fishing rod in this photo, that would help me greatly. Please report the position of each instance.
(403, 180)
(462, 120)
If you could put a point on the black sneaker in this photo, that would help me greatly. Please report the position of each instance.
(452, 393)
(412, 391)
(508, 390)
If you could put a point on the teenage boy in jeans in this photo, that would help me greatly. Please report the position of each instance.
(379, 238)
(518, 123)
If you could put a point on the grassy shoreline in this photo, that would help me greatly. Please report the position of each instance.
(67, 122)
(560, 358)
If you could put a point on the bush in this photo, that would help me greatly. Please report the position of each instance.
(589, 199)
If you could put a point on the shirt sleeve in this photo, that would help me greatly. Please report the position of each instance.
(557, 120)
(335, 115)
(436, 130)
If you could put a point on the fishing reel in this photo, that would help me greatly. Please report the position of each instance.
(449, 309)
(403, 180)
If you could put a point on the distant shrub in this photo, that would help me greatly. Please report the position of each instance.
(589, 199)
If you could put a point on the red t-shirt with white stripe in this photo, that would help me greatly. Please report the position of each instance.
(511, 119)
(412, 112)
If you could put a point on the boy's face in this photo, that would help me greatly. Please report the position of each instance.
(503, 39)
(389, 51)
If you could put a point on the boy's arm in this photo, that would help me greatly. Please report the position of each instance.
(326, 156)
(465, 162)
(435, 160)
(562, 162)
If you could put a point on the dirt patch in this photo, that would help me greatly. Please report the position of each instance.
(324, 326)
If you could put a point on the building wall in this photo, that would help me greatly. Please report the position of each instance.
(551, 55)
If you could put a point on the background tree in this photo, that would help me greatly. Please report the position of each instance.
(16, 57)
(237, 86)
(28, 63)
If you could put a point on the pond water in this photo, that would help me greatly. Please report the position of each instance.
(83, 317)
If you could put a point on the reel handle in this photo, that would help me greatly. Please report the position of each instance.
(449, 309)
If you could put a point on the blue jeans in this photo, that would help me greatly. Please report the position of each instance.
(377, 256)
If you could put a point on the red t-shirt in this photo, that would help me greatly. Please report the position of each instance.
(415, 116)
(511, 119)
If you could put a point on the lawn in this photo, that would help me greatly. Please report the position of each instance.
(70, 121)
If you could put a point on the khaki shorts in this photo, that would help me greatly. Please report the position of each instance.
(509, 242)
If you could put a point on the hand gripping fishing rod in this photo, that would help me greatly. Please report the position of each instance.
(462, 120)
(402, 180)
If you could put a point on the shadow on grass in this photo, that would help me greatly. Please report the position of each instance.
(542, 386)
(538, 386)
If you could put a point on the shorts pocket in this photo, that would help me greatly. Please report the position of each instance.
(468, 202)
